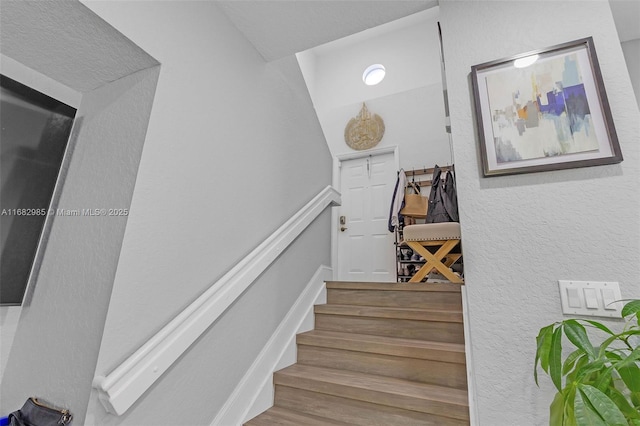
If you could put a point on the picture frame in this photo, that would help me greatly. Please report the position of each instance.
(550, 114)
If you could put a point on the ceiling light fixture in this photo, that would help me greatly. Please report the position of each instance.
(373, 74)
(526, 61)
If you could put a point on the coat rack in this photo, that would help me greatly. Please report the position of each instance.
(422, 172)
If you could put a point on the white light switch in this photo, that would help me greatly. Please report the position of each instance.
(574, 297)
(608, 299)
(590, 298)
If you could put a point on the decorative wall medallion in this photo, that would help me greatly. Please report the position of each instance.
(364, 131)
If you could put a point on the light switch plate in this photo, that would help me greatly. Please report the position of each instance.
(591, 298)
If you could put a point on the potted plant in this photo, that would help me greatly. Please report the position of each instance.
(601, 381)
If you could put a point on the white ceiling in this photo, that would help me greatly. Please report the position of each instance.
(279, 28)
(282, 28)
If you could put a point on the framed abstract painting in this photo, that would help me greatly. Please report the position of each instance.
(544, 110)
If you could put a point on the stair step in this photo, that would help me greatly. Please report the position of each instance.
(361, 285)
(412, 348)
(386, 391)
(357, 413)
(438, 326)
(387, 312)
(428, 287)
(284, 417)
(418, 295)
(385, 356)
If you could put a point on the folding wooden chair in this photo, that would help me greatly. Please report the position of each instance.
(445, 236)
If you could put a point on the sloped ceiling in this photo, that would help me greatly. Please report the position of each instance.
(45, 36)
(282, 28)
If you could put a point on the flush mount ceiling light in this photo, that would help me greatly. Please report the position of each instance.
(373, 74)
(526, 61)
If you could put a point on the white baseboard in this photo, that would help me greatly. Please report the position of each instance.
(254, 393)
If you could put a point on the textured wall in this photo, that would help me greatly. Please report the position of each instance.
(523, 233)
(57, 340)
(55, 348)
(233, 149)
(50, 39)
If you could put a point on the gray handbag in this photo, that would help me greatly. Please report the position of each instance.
(37, 413)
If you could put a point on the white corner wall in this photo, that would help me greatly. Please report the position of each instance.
(523, 233)
(233, 149)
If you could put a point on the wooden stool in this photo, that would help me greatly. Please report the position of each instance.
(445, 235)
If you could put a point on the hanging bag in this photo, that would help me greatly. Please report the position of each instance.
(36, 413)
(415, 205)
(443, 200)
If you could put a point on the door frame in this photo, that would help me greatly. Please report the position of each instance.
(337, 184)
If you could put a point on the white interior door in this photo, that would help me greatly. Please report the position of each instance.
(365, 245)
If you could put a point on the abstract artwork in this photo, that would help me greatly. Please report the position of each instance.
(544, 110)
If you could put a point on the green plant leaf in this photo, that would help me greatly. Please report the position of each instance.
(572, 376)
(631, 308)
(604, 379)
(631, 358)
(556, 410)
(577, 335)
(569, 393)
(570, 361)
(555, 358)
(630, 375)
(604, 407)
(600, 326)
(543, 341)
(623, 404)
(620, 336)
(613, 356)
(585, 414)
(635, 399)
(588, 369)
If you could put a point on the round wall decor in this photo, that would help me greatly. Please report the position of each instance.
(364, 131)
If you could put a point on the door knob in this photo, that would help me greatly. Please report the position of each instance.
(343, 228)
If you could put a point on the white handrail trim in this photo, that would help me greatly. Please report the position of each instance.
(126, 383)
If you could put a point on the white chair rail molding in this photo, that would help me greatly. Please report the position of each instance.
(121, 388)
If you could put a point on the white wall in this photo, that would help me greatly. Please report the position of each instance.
(55, 348)
(233, 149)
(9, 316)
(409, 99)
(522, 233)
(631, 50)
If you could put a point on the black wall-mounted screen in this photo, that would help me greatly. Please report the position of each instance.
(35, 132)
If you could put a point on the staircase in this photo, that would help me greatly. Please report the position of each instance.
(381, 354)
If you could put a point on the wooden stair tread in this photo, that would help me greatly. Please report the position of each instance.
(285, 417)
(413, 348)
(389, 391)
(392, 286)
(390, 312)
